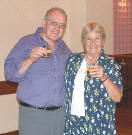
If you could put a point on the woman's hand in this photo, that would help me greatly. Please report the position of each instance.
(97, 72)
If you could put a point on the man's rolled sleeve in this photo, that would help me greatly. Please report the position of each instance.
(12, 70)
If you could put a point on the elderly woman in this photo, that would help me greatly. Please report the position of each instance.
(91, 97)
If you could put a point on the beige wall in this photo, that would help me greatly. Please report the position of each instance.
(22, 17)
(101, 11)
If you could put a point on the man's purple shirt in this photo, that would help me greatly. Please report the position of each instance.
(43, 83)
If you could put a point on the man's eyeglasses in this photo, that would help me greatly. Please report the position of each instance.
(55, 23)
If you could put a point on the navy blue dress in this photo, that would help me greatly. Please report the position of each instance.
(99, 116)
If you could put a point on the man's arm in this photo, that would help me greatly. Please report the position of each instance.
(35, 54)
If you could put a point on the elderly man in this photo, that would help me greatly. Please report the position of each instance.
(40, 79)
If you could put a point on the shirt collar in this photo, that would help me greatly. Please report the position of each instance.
(41, 40)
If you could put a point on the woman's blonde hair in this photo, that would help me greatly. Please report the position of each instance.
(95, 27)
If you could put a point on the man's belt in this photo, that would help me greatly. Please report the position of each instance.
(50, 108)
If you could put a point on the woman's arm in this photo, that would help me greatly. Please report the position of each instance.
(112, 83)
(113, 90)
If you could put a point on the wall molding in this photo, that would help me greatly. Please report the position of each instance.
(7, 87)
(11, 133)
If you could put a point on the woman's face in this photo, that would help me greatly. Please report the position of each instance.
(93, 43)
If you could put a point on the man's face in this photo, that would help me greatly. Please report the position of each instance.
(54, 26)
